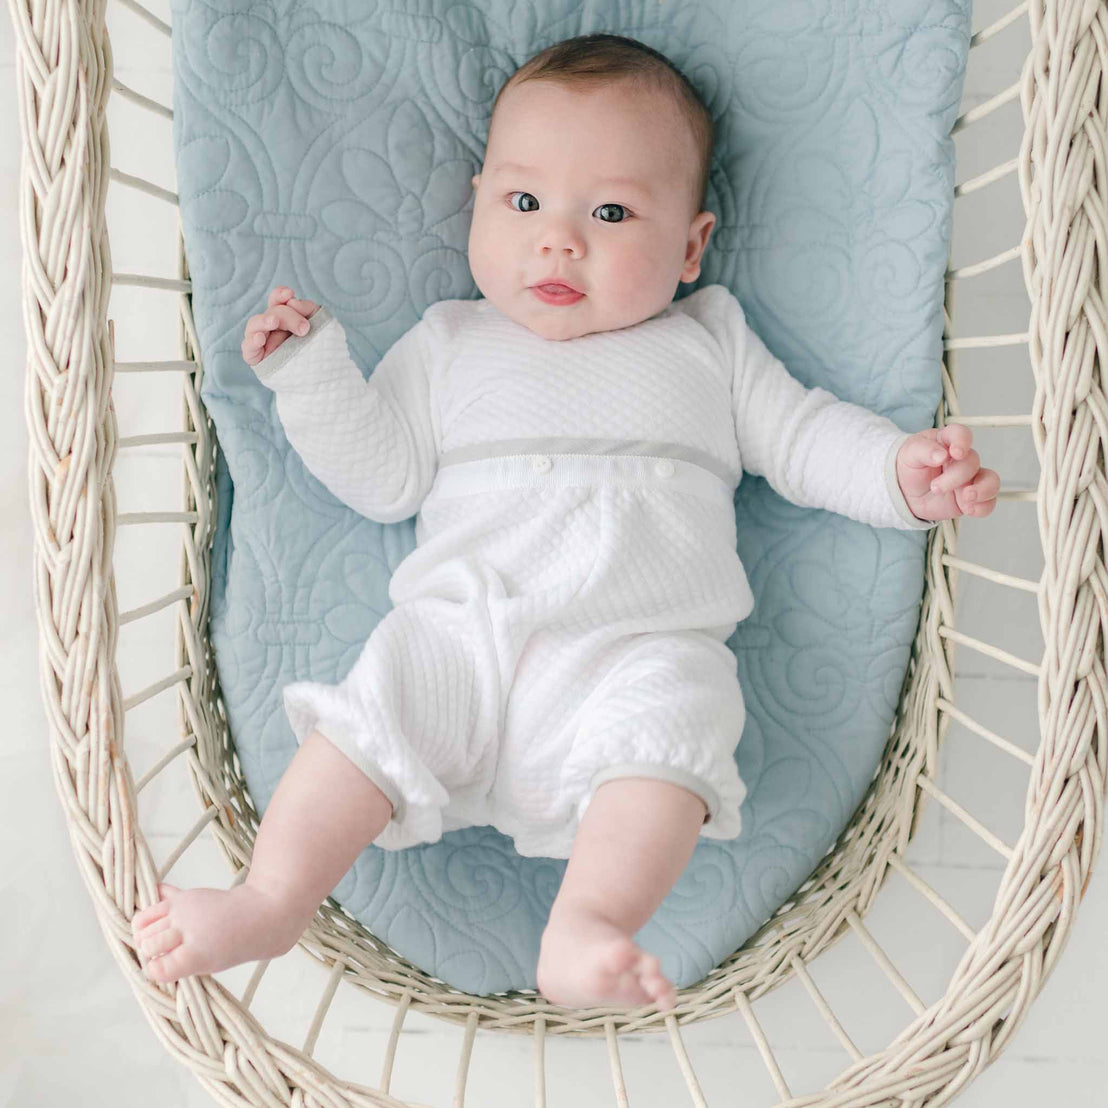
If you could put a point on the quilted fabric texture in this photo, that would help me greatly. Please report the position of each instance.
(329, 146)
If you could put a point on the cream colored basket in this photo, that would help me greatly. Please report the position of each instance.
(65, 78)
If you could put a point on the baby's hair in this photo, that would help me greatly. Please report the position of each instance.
(599, 59)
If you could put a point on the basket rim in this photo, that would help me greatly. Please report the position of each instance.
(1063, 32)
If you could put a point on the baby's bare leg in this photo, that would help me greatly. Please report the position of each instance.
(634, 841)
(323, 814)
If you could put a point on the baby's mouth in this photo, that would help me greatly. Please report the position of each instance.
(556, 294)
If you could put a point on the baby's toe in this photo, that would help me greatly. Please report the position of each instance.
(630, 990)
(148, 915)
(161, 942)
(620, 957)
(166, 967)
(656, 983)
(619, 968)
(661, 992)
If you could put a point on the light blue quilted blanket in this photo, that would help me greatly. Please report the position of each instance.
(328, 145)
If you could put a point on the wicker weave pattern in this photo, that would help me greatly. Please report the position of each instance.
(64, 79)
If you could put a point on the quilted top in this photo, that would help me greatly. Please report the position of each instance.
(330, 148)
(692, 381)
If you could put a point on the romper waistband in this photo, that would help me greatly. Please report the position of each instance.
(669, 474)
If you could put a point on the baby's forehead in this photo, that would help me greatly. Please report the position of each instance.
(525, 116)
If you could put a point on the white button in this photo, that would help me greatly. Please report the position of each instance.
(541, 464)
(664, 468)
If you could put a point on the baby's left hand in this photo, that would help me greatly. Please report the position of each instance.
(940, 475)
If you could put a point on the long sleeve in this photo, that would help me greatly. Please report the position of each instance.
(815, 450)
(373, 443)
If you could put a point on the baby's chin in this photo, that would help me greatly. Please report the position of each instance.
(556, 324)
(559, 330)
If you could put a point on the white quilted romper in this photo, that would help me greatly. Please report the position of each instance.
(562, 620)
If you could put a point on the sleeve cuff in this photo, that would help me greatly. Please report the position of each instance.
(911, 522)
(268, 367)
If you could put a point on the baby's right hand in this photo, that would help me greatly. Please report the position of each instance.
(266, 331)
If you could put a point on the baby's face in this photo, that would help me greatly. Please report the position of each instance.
(549, 207)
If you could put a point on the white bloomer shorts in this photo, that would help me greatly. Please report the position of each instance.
(513, 675)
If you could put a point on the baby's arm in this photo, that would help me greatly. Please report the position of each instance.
(815, 450)
(372, 443)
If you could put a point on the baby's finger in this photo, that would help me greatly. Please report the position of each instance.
(282, 317)
(984, 487)
(257, 330)
(260, 340)
(957, 438)
(307, 308)
(284, 295)
(957, 474)
(257, 323)
(975, 507)
(922, 452)
(254, 351)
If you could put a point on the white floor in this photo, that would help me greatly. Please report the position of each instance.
(71, 1031)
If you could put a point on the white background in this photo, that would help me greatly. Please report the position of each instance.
(71, 1031)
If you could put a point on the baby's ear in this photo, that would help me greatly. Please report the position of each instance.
(475, 180)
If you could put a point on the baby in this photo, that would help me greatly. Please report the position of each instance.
(555, 661)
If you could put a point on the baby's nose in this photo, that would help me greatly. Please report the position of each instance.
(562, 238)
(575, 248)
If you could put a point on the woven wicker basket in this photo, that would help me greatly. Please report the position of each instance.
(65, 77)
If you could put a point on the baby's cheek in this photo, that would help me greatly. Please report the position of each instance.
(482, 267)
(482, 234)
(638, 280)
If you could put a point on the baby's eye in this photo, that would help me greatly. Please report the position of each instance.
(529, 197)
(610, 208)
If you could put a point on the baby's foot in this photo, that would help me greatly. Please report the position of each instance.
(206, 930)
(585, 960)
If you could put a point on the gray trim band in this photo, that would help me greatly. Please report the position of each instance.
(340, 738)
(895, 493)
(292, 346)
(607, 447)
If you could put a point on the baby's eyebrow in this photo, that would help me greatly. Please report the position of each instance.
(624, 182)
(627, 182)
(514, 166)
